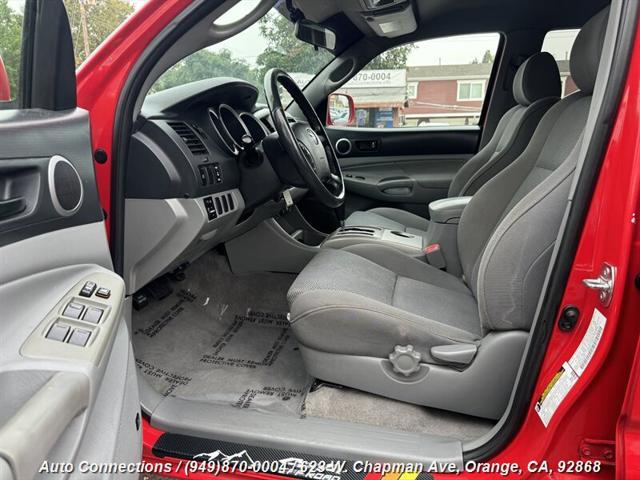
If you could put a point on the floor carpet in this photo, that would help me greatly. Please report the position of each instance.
(354, 406)
(224, 339)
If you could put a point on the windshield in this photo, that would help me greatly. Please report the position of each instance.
(250, 54)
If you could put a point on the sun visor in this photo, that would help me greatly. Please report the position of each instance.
(392, 22)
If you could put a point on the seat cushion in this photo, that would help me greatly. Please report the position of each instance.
(368, 299)
(390, 218)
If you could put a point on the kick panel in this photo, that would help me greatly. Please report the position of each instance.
(82, 324)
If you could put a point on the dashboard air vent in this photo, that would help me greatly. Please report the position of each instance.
(189, 137)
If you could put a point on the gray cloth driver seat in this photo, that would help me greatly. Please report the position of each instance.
(536, 88)
(372, 318)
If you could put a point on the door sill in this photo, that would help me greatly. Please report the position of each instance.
(191, 425)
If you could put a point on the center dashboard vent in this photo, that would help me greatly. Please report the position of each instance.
(189, 137)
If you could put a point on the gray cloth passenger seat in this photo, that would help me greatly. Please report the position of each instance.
(372, 318)
(536, 88)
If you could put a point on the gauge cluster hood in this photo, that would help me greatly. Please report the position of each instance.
(238, 93)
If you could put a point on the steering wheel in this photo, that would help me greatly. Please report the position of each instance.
(305, 142)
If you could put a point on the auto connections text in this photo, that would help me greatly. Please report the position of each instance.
(317, 469)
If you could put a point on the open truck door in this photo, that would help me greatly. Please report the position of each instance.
(67, 373)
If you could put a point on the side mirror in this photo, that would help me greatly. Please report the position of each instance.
(5, 86)
(341, 110)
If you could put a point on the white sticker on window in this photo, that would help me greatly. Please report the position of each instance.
(568, 375)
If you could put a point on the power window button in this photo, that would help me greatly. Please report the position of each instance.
(58, 332)
(88, 289)
(103, 292)
(73, 310)
(93, 315)
(79, 337)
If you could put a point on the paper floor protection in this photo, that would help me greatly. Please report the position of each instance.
(223, 339)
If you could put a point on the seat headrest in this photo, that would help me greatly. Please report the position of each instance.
(585, 54)
(538, 77)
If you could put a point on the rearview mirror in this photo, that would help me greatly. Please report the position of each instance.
(341, 110)
(315, 34)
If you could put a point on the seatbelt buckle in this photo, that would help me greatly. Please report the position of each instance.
(434, 255)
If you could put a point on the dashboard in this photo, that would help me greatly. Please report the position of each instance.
(188, 139)
(196, 176)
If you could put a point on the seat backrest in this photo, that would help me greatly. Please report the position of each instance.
(536, 87)
(507, 232)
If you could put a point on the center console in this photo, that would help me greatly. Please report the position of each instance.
(405, 242)
(438, 246)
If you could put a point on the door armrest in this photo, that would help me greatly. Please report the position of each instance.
(28, 436)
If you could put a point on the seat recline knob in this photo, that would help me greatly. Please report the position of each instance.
(405, 360)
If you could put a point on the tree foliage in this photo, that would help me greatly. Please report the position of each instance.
(205, 64)
(488, 57)
(285, 51)
(396, 58)
(101, 17)
(10, 43)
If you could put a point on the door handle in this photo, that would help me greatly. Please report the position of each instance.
(12, 206)
(396, 185)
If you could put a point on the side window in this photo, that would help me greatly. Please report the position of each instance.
(558, 43)
(91, 22)
(433, 83)
(11, 19)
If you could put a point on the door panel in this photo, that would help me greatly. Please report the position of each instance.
(401, 167)
(48, 252)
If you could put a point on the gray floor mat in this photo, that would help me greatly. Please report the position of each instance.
(224, 339)
(354, 406)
